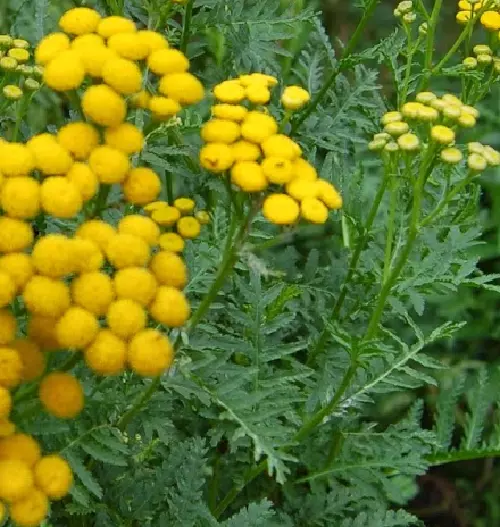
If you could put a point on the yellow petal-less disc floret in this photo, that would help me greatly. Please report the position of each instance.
(477, 162)
(466, 120)
(31, 509)
(107, 355)
(216, 157)
(61, 394)
(169, 269)
(53, 476)
(79, 21)
(93, 291)
(21, 55)
(20, 197)
(11, 368)
(22, 447)
(245, 151)
(15, 159)
(51, 157)
(125, 137)
(409, 142)
(140, 100)
(229, 112)
(328, 194)
(77, 328)
(391, 117)
(42, 331)
(258, 94)
(8, 327)
(171, 241)
(135, 283)
(150, 353)
(81, 175)
(313, 210)
(50, 46)
(170, 307)
(165, 61)
(122, 75)
(277, 170)
(8, 289)
(184, 205)
(127, 250)
(125, 318)
(184, 88)
(103, 105)
(15, 235)
(300, 189)
(188, 227)
(249, 176)
(451, 155)
(65, 72)
(230, 91)
(166, 216)
(32, 357)
(142, 185)
(18, 266)
(110, 165)
(111, 25)
(94, 58)
(281, 209)
(396, 128)
(12, 92)
(443, 134)
(295, 97)
(60, 197)
(163, 108)
(220, 131)
(7, 428)
(491, 20)
(129, 46)
(302, 169)
(88, 256)
(87, 41)
(46, 296)
(257, 127)
(78, 138)
(140, 226)
(97, 231)
(5, 403)
(152, 39)
(16, 480)
(53, 256)
(280, 145)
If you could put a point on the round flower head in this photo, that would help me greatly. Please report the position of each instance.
(150, 353)
(281, 209)
(32, 358)
(8, 327)
(328, 194)
(452, 111)
(31, 509)
(257, 127)
(230, 91)
(470, 63)
(391, 147)
(89, 40)
(220, 131)
(411, 109)
(442, 134)
(170, 241)
(466, 120)
(122, 75)
(94, 58)
(451, 155)
(87, 255)
(60, 197)
(125, 137)
(245, 151)
(425, 97)
(280, 145)
(229, 112)
(277, 170)
(5, 403)
(152, 39)
(155, 205)
(165, 61)
(11, 368)
(77, 328)
(135, 283)
(169, 269)
(477, 162)
(47, 297)
(184, 205)
(170, 307)
(15, 159)
(21, 55)
(65, 72)
(127, 250)
(129, 46)
(81, 175)
(93, 291)
(409, 142)
(53, 256)
(7, 428)
(258, 94)
(492, 156)
(32, 85)
(301, 189)
(125, 318)
(50, 157)
(391, 117)
(428, 114)
(376, 145)
(50, 46)
(141, 186)
(53, 476)
(216, 157)
(182, 87)
(140, 100)
(313, 210)
(15, 235)
(16, 480)
(249, 176)
(163, 108)
(140, 226)
(107, 355)
(166, 216)
(20, 197)
(112, 25)
(203, 217)
(103, 105)
(8, 289)
(12, 92)
(80, 20)
(451, 99)
(97, 231)
(470, 110)
(302, 169)
(490, 20)
(109, 164)
(8, 64)
(295, 97)
(61, 394)
(21, 447)
(188, 227)
(42, 331)
(78, 138)
(396, 128)
(482, 49)
(475, 147)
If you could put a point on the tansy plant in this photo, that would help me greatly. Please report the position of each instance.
(216, 246)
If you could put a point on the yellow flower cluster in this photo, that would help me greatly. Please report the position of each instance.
(177, 222)
(490, 18)
(482, 59)
(247, 142)
(404, 11)
(15, 61)
(119, 60)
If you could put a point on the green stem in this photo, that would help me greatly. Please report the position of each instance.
(342, 64)
(390, 229)
(169, 185)
(409, 61)
(140, 402)
(101, 200)
(431, 31)
(22, 105)
(186, 28)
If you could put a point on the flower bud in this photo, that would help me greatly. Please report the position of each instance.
(12, 92)
(476, 162)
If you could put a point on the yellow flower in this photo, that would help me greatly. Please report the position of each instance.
(20, 197)
(302, 169)
(170, 241)
(409, 142)
(411, 110)
(32, 85)
(182, 87)
(15, 235)
(490, 20)
(313, 210)
(107, 354)
(122, 75)
(230, 91)
(78, 138)
(163, 108)
(280, 145)
(277, 170)
(32, 358)
(188, 227)
(468, 6)
(477, 162)
(109, 164)
(7, 289)
(451, 99)
(5, 403)
(103, 105)
(258, 94)
(97, 231)
(141, 100)
(12, 92)
(169, 269)
(249, 176)
(166, 216)
(93, 291)
(140, 226)
(216, 157)
(77, 328)
(258, 78)
(300, 189)
(125, 318)
(442, 134)
(8, 327)
(6, 41)
(482, 49)
(88, 40)
(391, 147)
(229, 112)
(155, 205)
(391, 117)
(129, 46)
(65, 72)
(470, 110)
(328, 194)
(94, 58)
(428, 114)
(220, 131)
(42, 331)
(53, 476)
(21, 447)
(84, 179)
(170, 307)
(135, 283)
(452, 111)
(50, 157)
(31, 509)
(111, 25)
(127, 250)
(295, 97)
(46, 296)
(11, 369)
(6, 428)
(50, 46)
(165, 61)
(451, 155)
(53, 256)
(257, 127)
(466, 120)
(21, 55)
(79, 20)
(245, 151)
(153, 40)
(396, 128)
(463, 17)
(492, 156)
(88, 256)
(150, 353)
(16, 480)
(60, 197)
(125, 137)
(281, 209)
(8, 63)
(184, 205)
(425, 97)
(141, 186)
(61, 394)
(15, 159)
